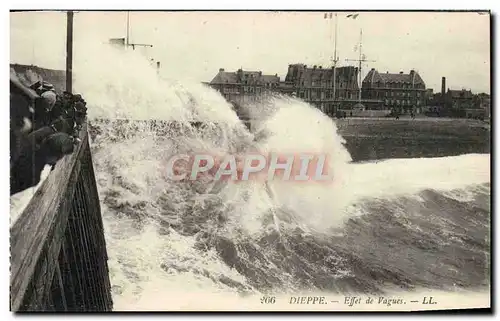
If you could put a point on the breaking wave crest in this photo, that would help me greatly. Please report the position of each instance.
(396, 224)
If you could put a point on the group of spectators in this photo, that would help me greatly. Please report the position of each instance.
(45, 127)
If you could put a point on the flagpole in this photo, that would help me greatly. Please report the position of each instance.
(360, 60)
(335, 62)
(69, 51)
(128, 29)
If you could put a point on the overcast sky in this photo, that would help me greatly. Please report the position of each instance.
(196, 44)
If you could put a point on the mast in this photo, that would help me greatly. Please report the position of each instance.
(128, 29)
(69, 51)
(127, 39)
(360, 61)
(360, 64)
(127, 43)
(335, 59)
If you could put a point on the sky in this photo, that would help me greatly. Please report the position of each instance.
(194, 45)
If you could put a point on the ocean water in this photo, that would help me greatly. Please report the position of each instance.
(392, 226)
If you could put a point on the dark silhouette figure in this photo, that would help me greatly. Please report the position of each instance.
(40, 148)
(44, 128)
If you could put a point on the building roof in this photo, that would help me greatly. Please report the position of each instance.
(460, 93)
(318, 73)
(412, 77)
(224, 77)
(270, 78)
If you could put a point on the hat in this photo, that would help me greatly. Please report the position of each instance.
(50, 97)
(47, 86)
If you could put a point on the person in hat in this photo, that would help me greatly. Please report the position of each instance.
(50, 97)
(42, 86)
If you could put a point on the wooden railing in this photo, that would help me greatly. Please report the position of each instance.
(58, 250)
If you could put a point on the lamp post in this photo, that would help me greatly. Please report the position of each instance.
(69, 51)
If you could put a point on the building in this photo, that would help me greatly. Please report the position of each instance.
(315, 85)
(460, 99)
(474, 105)
(484, 103)
(402, 93)
(459, 103)
(429, 93)
(244, 86)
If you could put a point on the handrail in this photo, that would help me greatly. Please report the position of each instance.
(58, 250)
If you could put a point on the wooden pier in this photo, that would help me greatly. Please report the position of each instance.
(58, 250)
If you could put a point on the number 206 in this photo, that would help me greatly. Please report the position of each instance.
(268, 300)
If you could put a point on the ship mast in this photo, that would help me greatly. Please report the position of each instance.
(127, 39)
(126, 42)
(128, 29)
(360, 61)
(335, 60)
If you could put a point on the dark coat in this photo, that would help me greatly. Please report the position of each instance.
(40, 148)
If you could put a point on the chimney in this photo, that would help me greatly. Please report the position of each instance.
(157, 65)
(412, 72)
(221, 69)
(443, 86)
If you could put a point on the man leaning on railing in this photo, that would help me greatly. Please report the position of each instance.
(56, 121)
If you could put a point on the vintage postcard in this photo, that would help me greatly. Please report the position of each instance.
(250, 160)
